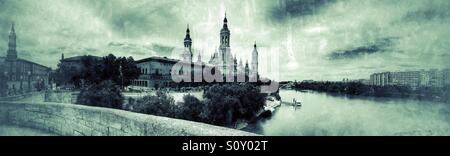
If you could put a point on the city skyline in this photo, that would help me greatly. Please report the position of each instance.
(320, 38)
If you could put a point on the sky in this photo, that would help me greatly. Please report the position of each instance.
(299, 39)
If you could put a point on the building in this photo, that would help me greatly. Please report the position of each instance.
(255, 63)
(414, 79)
(187, 53)
(76, 62)
(382, 79)
(22, 75)
(446, 76)
(156, 72)
(224, 60)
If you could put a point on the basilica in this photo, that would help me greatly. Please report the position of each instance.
(223, 59)
(157, 72)
(21, 76)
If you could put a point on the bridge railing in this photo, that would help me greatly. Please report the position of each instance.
(74, 120)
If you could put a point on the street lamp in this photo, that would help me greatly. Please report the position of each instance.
(21, 83)
(29, 81)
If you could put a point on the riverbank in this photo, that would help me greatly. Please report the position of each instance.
(359, 89)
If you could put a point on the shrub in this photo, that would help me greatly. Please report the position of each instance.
(105, 94)
(226, 103)
(162, 104)
(191, 109)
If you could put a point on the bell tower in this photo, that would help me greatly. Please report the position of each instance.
(187, 54)
(11, 54)
(225, 34)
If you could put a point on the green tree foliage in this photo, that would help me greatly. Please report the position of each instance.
(126, 70)
(191, 109)
(91, 70)
(105, 94)
(120, 70)
(67, 75)
(226, 103)
(161, 104)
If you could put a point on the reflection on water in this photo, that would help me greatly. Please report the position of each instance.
(331, 115)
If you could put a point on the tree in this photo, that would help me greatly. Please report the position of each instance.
(120, 70)
(161, 104)
(65, 75)
(226, 103)
(105, 94)
(129, 71)
(91, 70)
(191, 108)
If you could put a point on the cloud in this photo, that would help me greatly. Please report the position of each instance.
(382, 45)
(298, 8)
(434, 10)
(306, 32)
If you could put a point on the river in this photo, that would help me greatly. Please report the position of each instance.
(324, 114)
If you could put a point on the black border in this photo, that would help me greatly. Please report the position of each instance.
(173, 145)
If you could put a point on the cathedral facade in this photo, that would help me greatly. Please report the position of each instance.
(20, 75)
(157, 72)
(223, 59)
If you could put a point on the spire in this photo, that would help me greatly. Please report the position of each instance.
(188, 31)
(13, 30)
(225, 20)
(11, 54)
(62, 56)
(225, 34)
(199, 60)
(187, 39)
(255, 44)
(12, 33)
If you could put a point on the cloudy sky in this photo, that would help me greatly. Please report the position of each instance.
(313, 39)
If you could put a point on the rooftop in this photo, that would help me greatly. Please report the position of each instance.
(164, 60)
(2, 60)
(79, 58)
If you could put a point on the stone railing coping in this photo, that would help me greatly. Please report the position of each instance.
(177, 126)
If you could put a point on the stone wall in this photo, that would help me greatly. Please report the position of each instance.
(77, 120)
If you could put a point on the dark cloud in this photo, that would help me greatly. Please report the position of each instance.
(381, 45)
(440, 13)
(297, 8)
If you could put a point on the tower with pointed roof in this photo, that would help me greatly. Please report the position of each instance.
(187, 53)
(254, 70)
(11, 54)
(247, 69)
(225, 34)
(226, 59)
